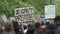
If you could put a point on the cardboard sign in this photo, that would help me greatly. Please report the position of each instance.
(24, 14)
(49, 11)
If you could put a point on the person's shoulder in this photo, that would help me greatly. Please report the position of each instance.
(40, 29)
(58, 27)
(57, 30)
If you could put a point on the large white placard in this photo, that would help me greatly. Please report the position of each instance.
(49, 11)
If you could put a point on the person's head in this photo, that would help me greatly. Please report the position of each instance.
(21, 27)
(47, 23)
(30, 26)
(57, 20)
(25, 27)
(37, 24)
(42, 23)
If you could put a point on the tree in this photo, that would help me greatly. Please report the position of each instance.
(7, 6)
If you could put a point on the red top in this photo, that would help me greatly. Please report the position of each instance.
(40, 31)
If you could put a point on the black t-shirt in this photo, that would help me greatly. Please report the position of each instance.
(31, 31)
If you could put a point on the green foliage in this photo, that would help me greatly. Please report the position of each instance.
(57, 3)
(7, 6)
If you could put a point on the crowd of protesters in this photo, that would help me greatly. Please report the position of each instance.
(35, 28)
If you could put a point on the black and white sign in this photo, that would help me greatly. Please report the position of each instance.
(49, 11)
(24, 14)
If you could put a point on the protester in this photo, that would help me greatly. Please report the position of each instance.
(25, 29)
(57, 22)
(30, 29)
(18, 29)
(48, 30)
(43, 25)
(39, 29)
(1, 28)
